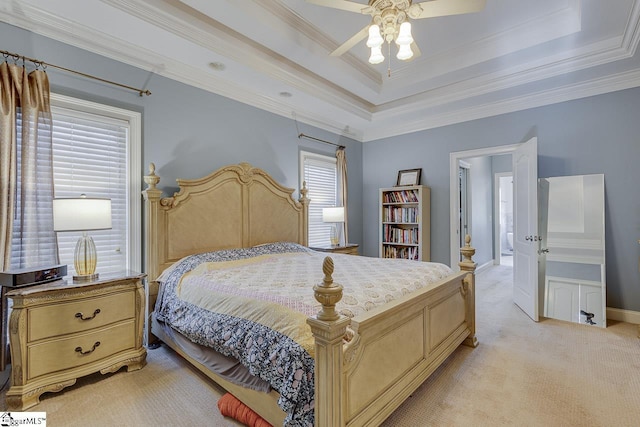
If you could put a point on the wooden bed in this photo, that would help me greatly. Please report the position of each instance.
(395, 347)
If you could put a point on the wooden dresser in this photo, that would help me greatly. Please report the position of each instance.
(63, 330)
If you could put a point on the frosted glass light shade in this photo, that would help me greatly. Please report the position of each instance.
(404, 35)
(333, 214)
(375, 39)
(404, 52)
(376, 55)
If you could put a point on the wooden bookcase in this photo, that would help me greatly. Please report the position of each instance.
(405, 222)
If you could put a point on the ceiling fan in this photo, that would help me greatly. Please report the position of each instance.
(391, 22)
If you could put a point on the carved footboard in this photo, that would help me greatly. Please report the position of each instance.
(395, 348)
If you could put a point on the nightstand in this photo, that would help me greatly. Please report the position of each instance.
(349, 249)
(63, 330)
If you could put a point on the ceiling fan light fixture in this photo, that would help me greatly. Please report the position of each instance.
(375, 39)
(376, 55)
(404, 52)
(404, 35)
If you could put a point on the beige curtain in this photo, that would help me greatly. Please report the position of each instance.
(341, 161)
(26, 169)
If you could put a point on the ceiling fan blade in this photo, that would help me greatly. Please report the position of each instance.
(357, 37)
(434, 8)
(416, 51)
(342, 4)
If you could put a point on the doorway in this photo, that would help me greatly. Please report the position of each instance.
(464, 214)
(503, 218)
(456, 234)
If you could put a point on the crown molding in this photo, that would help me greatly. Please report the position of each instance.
(592, 87)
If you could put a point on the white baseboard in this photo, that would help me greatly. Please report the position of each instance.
(623, 315)
(484, 266)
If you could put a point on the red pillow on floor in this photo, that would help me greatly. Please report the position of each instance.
(230, 406)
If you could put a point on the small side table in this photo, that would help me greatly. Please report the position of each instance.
(62, 330)
(349, 249)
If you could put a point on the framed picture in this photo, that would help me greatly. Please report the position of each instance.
(409, 177)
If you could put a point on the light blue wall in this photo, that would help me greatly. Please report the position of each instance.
(599, 134)
(188, 132)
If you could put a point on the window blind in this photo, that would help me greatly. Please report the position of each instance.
(320, 174)
(90, 157)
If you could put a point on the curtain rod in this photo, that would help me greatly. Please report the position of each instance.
(302, 135)
(38, 63)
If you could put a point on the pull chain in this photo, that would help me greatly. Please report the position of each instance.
(389, 57)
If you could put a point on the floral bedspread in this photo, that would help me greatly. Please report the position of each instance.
(252, 304)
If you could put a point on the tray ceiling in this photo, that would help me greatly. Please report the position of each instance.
(274, 55)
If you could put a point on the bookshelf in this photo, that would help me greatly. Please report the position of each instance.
(405, 222)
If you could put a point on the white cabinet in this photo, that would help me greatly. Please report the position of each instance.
(567, 299)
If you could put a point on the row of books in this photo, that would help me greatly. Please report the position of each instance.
(400, 196)
(399, 235)
(403, 252)
(393, 214)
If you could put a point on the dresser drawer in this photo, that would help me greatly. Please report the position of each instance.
(61, 353)
(64, 318)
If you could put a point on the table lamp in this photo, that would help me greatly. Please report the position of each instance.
(82, 214)
(334, 215)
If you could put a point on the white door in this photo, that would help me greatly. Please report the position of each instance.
(525, 228)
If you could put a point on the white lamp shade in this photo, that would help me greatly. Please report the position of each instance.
(81, 214)
(333, 214)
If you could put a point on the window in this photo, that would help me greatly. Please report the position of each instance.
(320, 174)
(96, 151)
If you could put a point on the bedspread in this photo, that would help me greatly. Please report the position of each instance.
(253, 303)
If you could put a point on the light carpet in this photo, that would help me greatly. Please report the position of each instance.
(550, 373)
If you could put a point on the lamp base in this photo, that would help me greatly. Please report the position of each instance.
(85, 258)
(86, 278)
(333, 237)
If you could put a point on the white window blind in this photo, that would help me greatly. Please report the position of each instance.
(90, 157)
(320, 174)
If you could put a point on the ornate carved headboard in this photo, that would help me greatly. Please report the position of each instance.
(235, 207)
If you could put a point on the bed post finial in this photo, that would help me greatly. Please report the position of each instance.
(303, 192)
(305, 213)
(328, 294)
(152, 179)
(467, 264)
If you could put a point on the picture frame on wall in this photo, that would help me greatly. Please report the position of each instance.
(409, 177)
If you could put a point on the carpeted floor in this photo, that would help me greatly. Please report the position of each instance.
(549, 373)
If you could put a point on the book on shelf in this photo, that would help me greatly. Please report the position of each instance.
(401, 196)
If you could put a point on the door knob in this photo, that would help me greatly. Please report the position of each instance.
(543, 251)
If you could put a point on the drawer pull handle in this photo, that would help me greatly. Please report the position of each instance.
(79, 349)
(79, 315)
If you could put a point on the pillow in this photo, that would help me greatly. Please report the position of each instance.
(230, 406)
